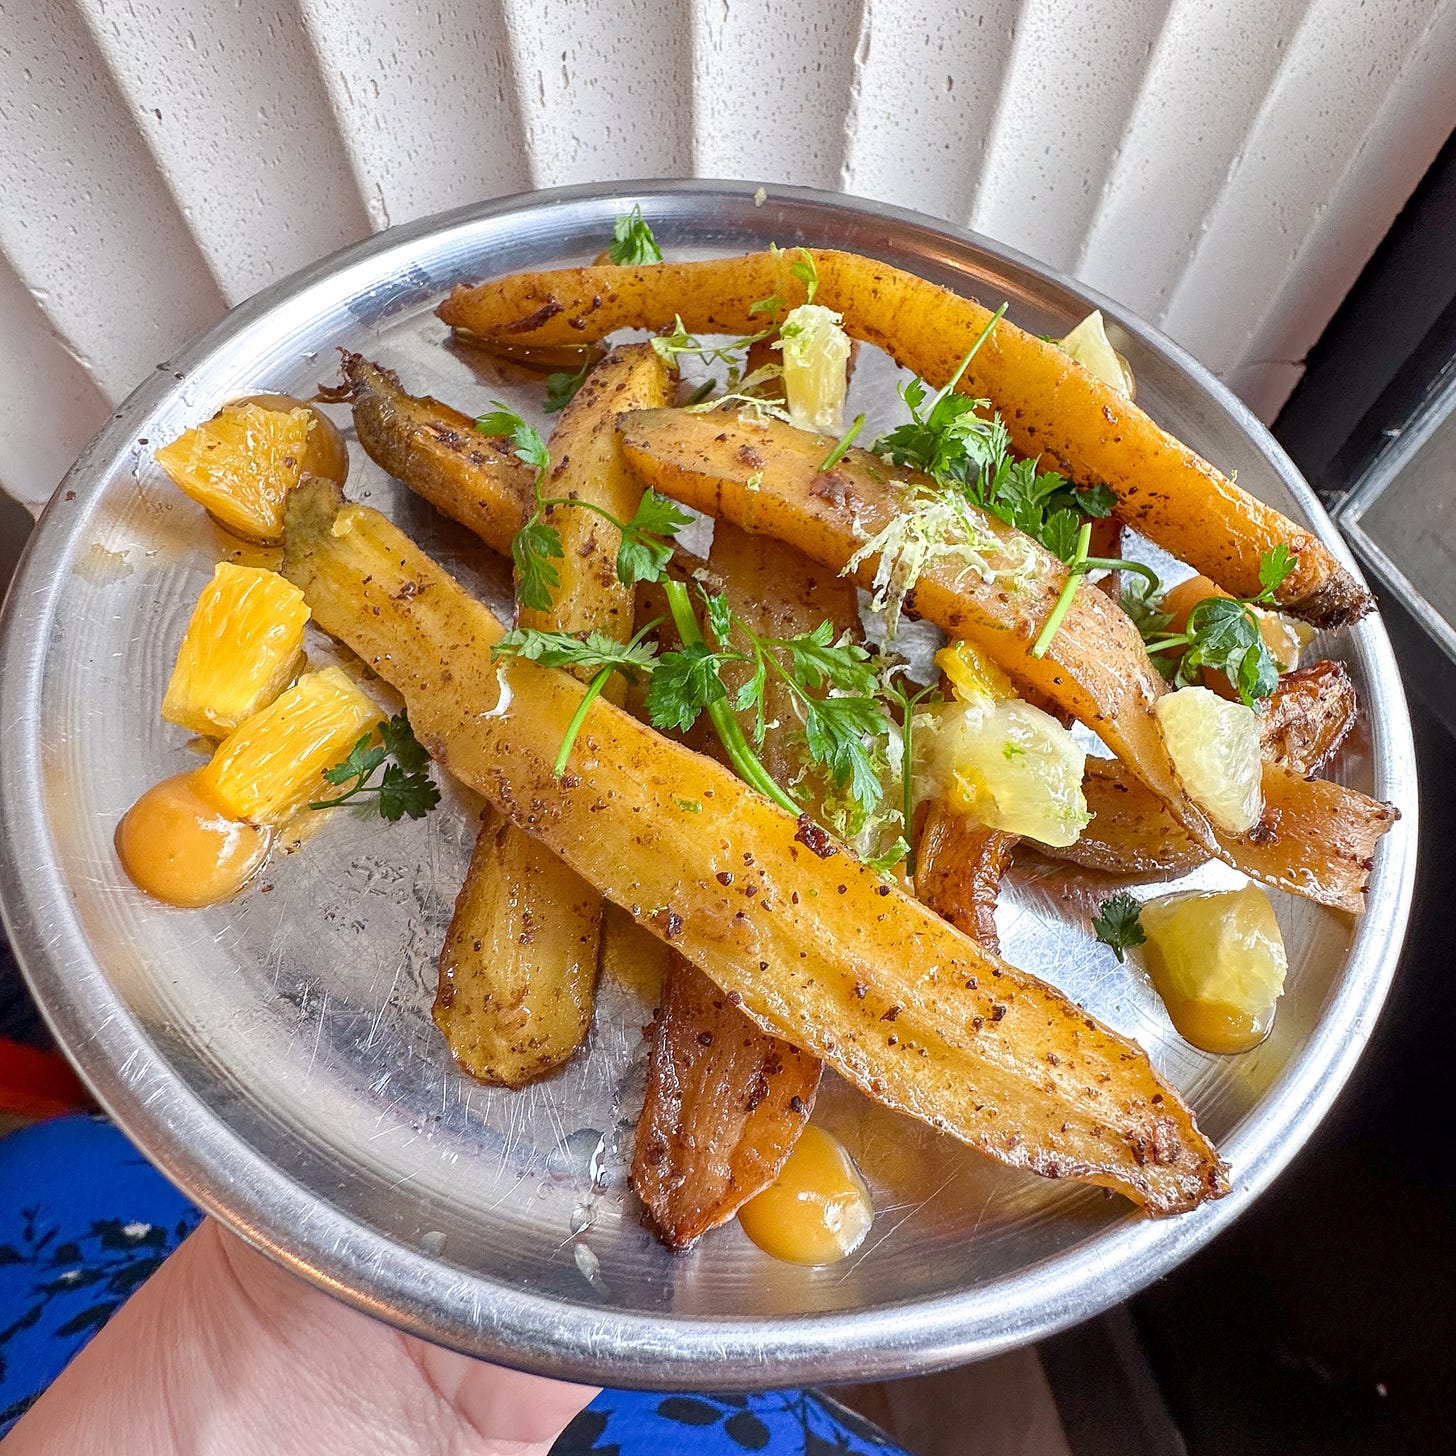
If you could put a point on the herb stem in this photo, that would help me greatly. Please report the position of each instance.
(1113, 563)
(578, 718)
(845, 441)
(981, 338)
(720, 713)
(907, 783)
(1076, 569)
(1166, 644)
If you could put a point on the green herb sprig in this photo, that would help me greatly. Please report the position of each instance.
(1222, 633)
(645, 548)
(1118, 924)
(632, 242)
(893, 688)
(1078, 565)
(562, 387)
(404, 789)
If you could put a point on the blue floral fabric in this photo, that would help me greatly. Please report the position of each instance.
(633, 1423)
(84, 1220)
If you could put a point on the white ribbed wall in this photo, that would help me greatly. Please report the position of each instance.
(1222, 167)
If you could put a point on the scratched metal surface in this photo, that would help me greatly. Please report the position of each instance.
(276, 1055)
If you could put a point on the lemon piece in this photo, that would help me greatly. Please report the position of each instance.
(1217, 959)
(1089, 345)
(1214, 744)
(973, 677)
(1012, 767)
(816, 374)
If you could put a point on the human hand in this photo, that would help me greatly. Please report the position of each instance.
(222, 1353)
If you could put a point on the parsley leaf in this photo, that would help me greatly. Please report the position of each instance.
(643, 556)
(594, 651)
(561, 388)
(1118, 924)
(632, 241)
(405, 788)
(532, 549)
(684, 683)
(401, 794)
(835, 729)
(1096, 501)
(1059, 534)
(1141, 604)
(402, 745)
(361, 762)
(502, 422)
(1223, 634)
(816, 659)
(1274, 569)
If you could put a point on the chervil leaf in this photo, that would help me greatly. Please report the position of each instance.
(1117, 924)
(533, 548)
(401, 793)
(402, 745)
(1274, 569)
(594, 651)
(1059, 534)
(751, 695)
(835, 730)
(361, 762)
(683, 684)
(632, 241)
(720, 616)
(561, 388)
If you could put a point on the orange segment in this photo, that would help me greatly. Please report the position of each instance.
(243, 646)
(240, 465)
(271, 767)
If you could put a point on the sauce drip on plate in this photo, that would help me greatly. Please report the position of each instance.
(179, 847)
(817, 1211)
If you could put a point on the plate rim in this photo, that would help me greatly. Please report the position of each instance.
(548, 1334)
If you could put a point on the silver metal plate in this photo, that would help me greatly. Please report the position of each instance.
(275, 1056)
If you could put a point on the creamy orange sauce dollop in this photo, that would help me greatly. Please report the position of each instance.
(817, 1211)
(181, 848)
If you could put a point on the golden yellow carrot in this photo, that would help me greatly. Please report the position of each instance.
(1051, 404)
(816, 948)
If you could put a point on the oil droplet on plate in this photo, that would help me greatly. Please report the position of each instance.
(181, 848)
(817, 1211)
